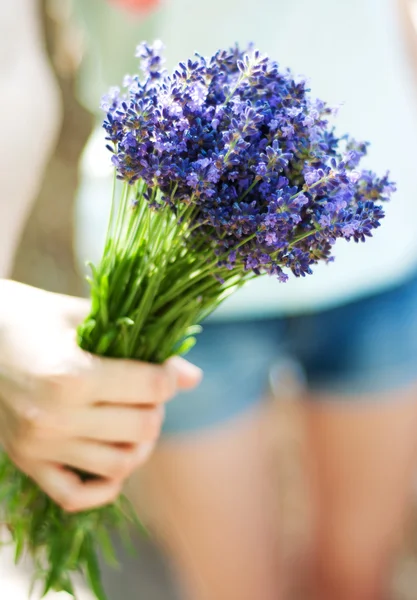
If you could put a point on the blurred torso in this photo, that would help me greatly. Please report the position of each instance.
(353, 52)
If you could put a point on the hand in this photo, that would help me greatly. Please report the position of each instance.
(140, 6)
(61, 407)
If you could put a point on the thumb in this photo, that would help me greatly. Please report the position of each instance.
(188, 375)
(76, 309)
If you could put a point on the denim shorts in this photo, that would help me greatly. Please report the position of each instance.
(366, 347)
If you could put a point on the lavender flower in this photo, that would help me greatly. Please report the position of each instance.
(231, 170)
(243, 142)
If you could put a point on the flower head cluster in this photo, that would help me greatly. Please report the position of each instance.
(244, 143)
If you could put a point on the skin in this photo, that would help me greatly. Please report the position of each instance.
(408, 14)
(363, 461)
(24, 66)
(140, 6)
(209, 496)
(213, 507)
(62, 406)
(210, 500)
(59, 405)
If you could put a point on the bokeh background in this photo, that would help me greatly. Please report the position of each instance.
(46, 259)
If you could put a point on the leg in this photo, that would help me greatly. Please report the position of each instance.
(362, 455)
(208, 491)
(210, 500)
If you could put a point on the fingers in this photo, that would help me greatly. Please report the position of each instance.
(131, 382)
(115, 424)
(69, 492)
(29, 428)
(135, 382)
(104, 460)
(115, 461)
(188, 375)
(76, 310)
(75, 377)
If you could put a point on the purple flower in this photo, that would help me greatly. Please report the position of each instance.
(311, 176)
(151, 59)
(192, 180)
(272, 185)
(198, 94)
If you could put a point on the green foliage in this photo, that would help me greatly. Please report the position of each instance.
(150, 289)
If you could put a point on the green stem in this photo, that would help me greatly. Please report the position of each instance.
(310, 187)
(304, 236)
(113, 207)
(199, 274)
(250, 188)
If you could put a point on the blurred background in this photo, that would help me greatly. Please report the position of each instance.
(75, 33)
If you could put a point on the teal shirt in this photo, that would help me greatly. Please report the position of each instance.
(354, 53)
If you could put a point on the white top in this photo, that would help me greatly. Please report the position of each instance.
(353, 53)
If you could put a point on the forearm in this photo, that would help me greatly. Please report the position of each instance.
(29, 116)
(408, 9)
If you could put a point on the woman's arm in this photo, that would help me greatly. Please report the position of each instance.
(408, 10)
(58, 404)
(30, 115)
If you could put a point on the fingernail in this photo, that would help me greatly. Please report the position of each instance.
(186, 368)
(144, 451)
(162, 412)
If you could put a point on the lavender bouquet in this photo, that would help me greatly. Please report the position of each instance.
(230, 171)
